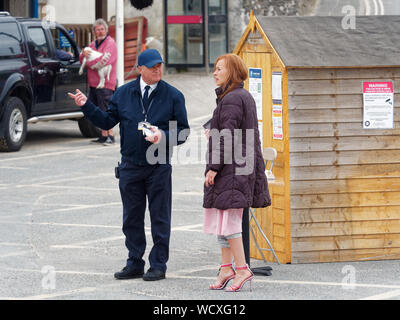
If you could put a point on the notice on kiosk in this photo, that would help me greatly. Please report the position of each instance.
(378, 101)
(255, 89)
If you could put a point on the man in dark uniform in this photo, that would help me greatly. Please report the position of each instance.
(143, 173)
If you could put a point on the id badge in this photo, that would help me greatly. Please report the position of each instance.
(145, 127)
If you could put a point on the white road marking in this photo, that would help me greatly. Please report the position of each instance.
(59, 271)
(79, 290)
(189, 193)
(384, 296)
(13, 244)
(55, 295)
(83, 244)
(56, 224)
(178, 275)
(83, 290)
(81, 177)
(188, 228)
(14, 254)
(82, 207)
(81, 188)
(312, 283)
(49, 154)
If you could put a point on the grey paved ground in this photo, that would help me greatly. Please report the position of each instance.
(61, 238)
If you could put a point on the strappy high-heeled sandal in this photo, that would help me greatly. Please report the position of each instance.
(224, 281)
(237, 288)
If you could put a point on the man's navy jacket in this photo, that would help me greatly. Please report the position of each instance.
(167, 111)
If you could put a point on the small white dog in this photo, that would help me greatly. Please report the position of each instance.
(102, 69)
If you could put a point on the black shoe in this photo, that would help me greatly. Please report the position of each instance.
(128, 273)
(109, 141)
(100, 140)
(154, 275)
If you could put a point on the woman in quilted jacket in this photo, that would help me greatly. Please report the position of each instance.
(235, 173)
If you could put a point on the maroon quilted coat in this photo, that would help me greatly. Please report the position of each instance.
(241, 181)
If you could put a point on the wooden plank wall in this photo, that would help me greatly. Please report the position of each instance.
(275, 220)
(344, 180)
(82, 33)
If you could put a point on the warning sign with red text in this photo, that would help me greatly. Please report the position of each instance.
(378, 105)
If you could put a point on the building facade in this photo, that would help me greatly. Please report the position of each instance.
(193, 33)
(189, 33)
(24, 8)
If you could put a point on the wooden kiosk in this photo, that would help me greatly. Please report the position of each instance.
(336, 196)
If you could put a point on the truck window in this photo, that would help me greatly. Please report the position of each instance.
(64, 49)
(10, 39)
(39, 42)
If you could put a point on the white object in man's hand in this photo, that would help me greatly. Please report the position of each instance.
(156, 136)
(79, 97)
(145, 127)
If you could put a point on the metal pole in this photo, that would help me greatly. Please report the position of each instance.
(265, 271)
(206, 48)
(245, 235)
(119, 32)
(164, 26)
(35, 9)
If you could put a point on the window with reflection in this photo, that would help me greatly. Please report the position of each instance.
(10, 39)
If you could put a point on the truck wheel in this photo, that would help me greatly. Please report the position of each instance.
(15, 125)
(87, 129)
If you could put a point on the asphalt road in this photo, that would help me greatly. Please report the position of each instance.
(61, 238)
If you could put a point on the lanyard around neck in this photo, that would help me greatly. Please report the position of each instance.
(144, 112)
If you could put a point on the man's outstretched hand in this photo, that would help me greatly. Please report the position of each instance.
(79, 97)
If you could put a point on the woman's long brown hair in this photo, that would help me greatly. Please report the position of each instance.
(237, 71)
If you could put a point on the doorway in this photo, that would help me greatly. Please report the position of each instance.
(186, 34)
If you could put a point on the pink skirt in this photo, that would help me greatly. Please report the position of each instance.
(222, 222)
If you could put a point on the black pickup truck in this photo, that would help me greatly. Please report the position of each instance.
(39, 64)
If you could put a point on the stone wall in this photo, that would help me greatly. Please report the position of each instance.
(278, 7)
(239, 12)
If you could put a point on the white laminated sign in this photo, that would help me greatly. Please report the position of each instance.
(378, 101)
(255, 89)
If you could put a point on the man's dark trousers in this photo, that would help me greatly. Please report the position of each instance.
(135, 183)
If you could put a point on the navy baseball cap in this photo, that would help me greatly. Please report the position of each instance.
(149, 58)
